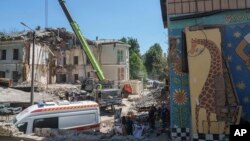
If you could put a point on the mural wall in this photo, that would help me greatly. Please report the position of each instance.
(236, 47)
(205, 74)
(180, 120)
(232, 43)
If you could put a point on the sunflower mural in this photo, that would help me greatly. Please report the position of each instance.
(180, 110)
(180, 97)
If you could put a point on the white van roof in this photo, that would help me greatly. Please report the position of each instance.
(55, 107)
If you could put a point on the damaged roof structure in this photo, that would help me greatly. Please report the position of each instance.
(59, 57)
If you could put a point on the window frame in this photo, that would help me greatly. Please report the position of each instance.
(3, 57)
(76, 61)
(15, 54)
(120, 56)
(15, 73)
(2, 72)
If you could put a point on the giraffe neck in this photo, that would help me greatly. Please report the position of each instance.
(214, 53)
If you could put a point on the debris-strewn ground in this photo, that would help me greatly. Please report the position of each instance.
(12, 95)
(135, 105)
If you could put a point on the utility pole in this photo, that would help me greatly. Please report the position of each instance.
(32, 68)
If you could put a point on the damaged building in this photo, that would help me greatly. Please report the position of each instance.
(59, 57)
(15, 59)
(74, 65)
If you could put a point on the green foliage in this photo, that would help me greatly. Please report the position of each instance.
(152, 62)
(134, 45)
(155, 63)
(137, 67)
(136, 64)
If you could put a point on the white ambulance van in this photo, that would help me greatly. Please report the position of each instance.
(81, 115)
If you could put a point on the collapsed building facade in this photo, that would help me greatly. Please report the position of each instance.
(208, 67)
(59, 57)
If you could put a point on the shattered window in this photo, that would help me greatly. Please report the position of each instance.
(120, 56)
(64, 61)
(15, 54)
(121, 73)
(3, 54)
(76, 77)
(75, 60)
(2, 74)
(15, 76)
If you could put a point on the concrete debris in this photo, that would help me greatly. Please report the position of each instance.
(63, 135)
(26, 86)
(7, 94)
(8, 129)
(145, 101)
(62, 91)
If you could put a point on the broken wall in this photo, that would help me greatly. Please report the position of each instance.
(114, 70)
(10, 65)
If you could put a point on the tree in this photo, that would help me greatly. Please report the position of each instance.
(136, 66)
(134, 45)
(154, 61)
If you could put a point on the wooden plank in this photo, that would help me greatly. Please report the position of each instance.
(170, 1)
(224, 4)
(201, 7)
(171, 9)
(178, 7)
(185, 7)
(208, 5)
(192, 7)
(232, 4)
(241, 3)
(216, 4)
(248, 3)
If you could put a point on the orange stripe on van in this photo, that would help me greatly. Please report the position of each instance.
(63, 108)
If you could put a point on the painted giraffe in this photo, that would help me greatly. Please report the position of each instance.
(206, 98)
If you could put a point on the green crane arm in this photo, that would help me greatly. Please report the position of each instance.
(83, 42)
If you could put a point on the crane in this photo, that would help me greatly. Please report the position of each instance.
(105, 97)
(83, 42)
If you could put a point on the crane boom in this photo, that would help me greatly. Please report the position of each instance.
(83, 41)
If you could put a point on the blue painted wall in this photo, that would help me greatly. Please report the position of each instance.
(179, 89)
(236, 26)
(233, 35)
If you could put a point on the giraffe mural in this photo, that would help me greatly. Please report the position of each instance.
(206, 98)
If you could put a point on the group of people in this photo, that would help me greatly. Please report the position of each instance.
(160, 114)
(127, 125)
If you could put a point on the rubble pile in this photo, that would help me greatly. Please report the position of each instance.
(66, 135)
(62, 91)
(145, 101)
(8, 129)
(38, 86)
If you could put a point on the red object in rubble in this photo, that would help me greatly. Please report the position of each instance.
(127, 88)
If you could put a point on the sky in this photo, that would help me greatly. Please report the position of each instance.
(107, 19)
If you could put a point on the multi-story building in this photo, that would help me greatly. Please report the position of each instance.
(16, 59)
(112, 55)
(59, 57)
